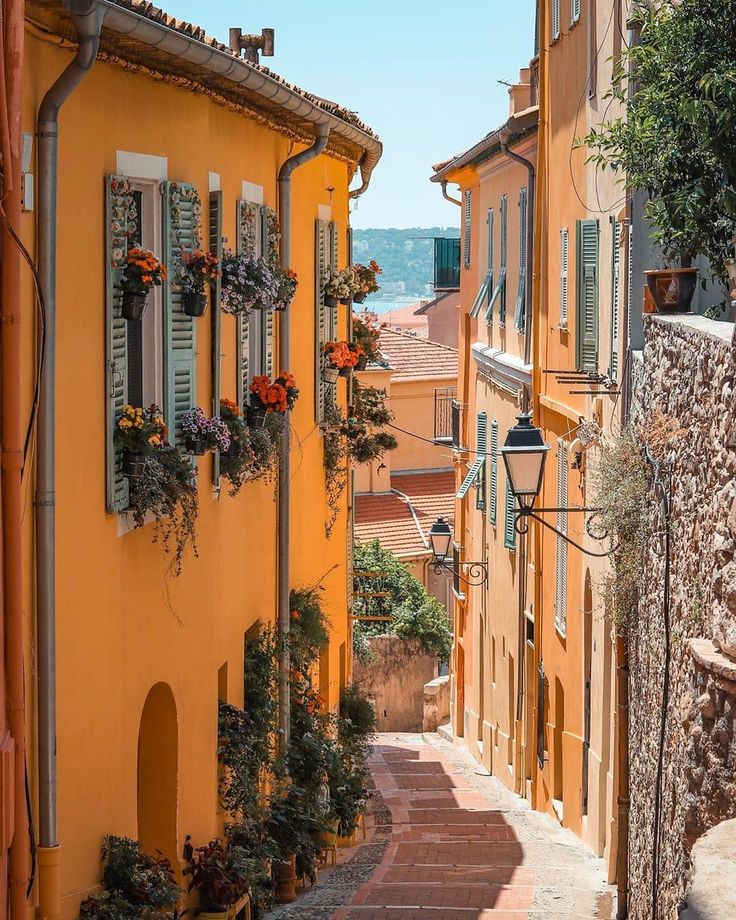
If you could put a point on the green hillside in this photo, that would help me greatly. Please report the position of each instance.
(404, 255)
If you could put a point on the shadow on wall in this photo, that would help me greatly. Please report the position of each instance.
(394, 682)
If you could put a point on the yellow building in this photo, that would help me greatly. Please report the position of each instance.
(193, 138)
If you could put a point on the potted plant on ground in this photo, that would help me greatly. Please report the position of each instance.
(247, 284)
(672, 289)
(367, 336)
(286, 285)
(339, 287)
(138, 432)
(198, 270)
(365, 279)
(142, 272)
(219, 875)
(269, 398)
(340, 359)
(204, 434)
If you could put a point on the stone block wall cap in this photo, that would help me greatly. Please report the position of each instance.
(711, 659)
(716, 329)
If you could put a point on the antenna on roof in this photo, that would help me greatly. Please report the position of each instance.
(251, 45)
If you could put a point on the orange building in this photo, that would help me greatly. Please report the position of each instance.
(191, 139)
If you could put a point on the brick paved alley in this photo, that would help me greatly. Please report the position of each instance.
(462, 846)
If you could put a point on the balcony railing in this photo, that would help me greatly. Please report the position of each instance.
(443, 400)
(446, 264)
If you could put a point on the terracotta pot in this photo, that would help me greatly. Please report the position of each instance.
(133, 465)
(285, 880)
(193, 304)
(196, 446)
(360, 297)
(672, 289)
(134, 306)
(330, 374)
(331, 301)
(362, 363)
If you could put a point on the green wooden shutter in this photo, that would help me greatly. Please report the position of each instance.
(180, 232)
(615, 296)
(468, 222)
(320, 315)
(564, 276)
(493, 508)
(245, 222)
(490, 221)
(561, 549)
(270, 250)
(215, 246)
(509, 531)
(504, 256)
(119, 218)
(332, 312)
(481, 441)
(587, 301)
(520, 316)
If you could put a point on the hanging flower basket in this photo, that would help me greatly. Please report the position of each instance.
(340, 357)
(193, 304)
(133, 465)
(138, 433)
(257, 418)
(672, 289)
(274, 397)
(286, 285)
(345, 371)
(362, 363)
(142, 272)
(365, 280)
(359, 297)
(202, 434)
(247, 284)
(196, 446)
(197, 270)
(330, 374)
(339, 287)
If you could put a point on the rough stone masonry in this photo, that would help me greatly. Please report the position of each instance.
(683, 407)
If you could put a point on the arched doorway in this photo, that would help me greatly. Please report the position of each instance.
(158, 761)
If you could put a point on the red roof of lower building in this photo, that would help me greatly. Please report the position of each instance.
(400, 520)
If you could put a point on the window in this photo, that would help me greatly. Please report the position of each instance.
(574, 11)
(586, 317)
(486, 288)
(561, 549)
(509, 531)
(493, 506)
(593, 53)
(520, 316)
(467, 221)
(615, 296)
(564, 276)
(504, 249)
(325, 318)
(555, 20)
(216, 246)
(481, 442)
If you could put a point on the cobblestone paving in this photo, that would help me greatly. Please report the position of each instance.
(446, 843)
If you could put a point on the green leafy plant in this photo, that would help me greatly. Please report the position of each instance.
(309, 630)
(675, 141)
(218, 875)
(367, 335)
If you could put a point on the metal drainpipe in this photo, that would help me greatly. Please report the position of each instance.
(87, 18)
(284, 496)
(528, 332)
(449, 197)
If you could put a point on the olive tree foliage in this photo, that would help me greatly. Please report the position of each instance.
(676, 139)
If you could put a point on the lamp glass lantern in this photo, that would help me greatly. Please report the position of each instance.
(440, 538)
(524, 455)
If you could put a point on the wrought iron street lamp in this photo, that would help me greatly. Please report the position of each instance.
(524, 455)
(440, 538)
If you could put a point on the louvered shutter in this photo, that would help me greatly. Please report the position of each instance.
(468, 220)
(481, 442)
(490, 222)
(615, 296)
(587, 301)
(246, 217)
(561, 550)
(119, 215)
(321, 244)
(180, 233)
(564, 276)
(504, 256)
(332, 312)
(574, 10)
(555, 19)
(270, 251)
(215, 247)
(493, 508)
(520, 317)
(509, 531)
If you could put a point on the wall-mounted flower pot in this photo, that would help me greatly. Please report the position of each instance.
(257, 418)
(232, 452)
(330, 374)
(193, 304)
(331, 301)
(359, 297)
(346, 371)
(134, 306)
(196, 446)
(285, 880)
(362, 363)
(672, 289)
(346, 301)
(133, 465)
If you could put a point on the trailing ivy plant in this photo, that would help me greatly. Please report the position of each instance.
(675, 141)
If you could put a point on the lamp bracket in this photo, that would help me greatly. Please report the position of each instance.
(477, 572)
(521, 526)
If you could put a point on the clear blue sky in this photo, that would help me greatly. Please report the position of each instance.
(421, 74)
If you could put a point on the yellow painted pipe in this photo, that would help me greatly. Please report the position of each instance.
(49, 883)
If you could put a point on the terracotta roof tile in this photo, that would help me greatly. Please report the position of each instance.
(388, 518)
(411, 356)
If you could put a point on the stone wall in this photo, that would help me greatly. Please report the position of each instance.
(394, 682)
(683, 407)
(436, 703)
